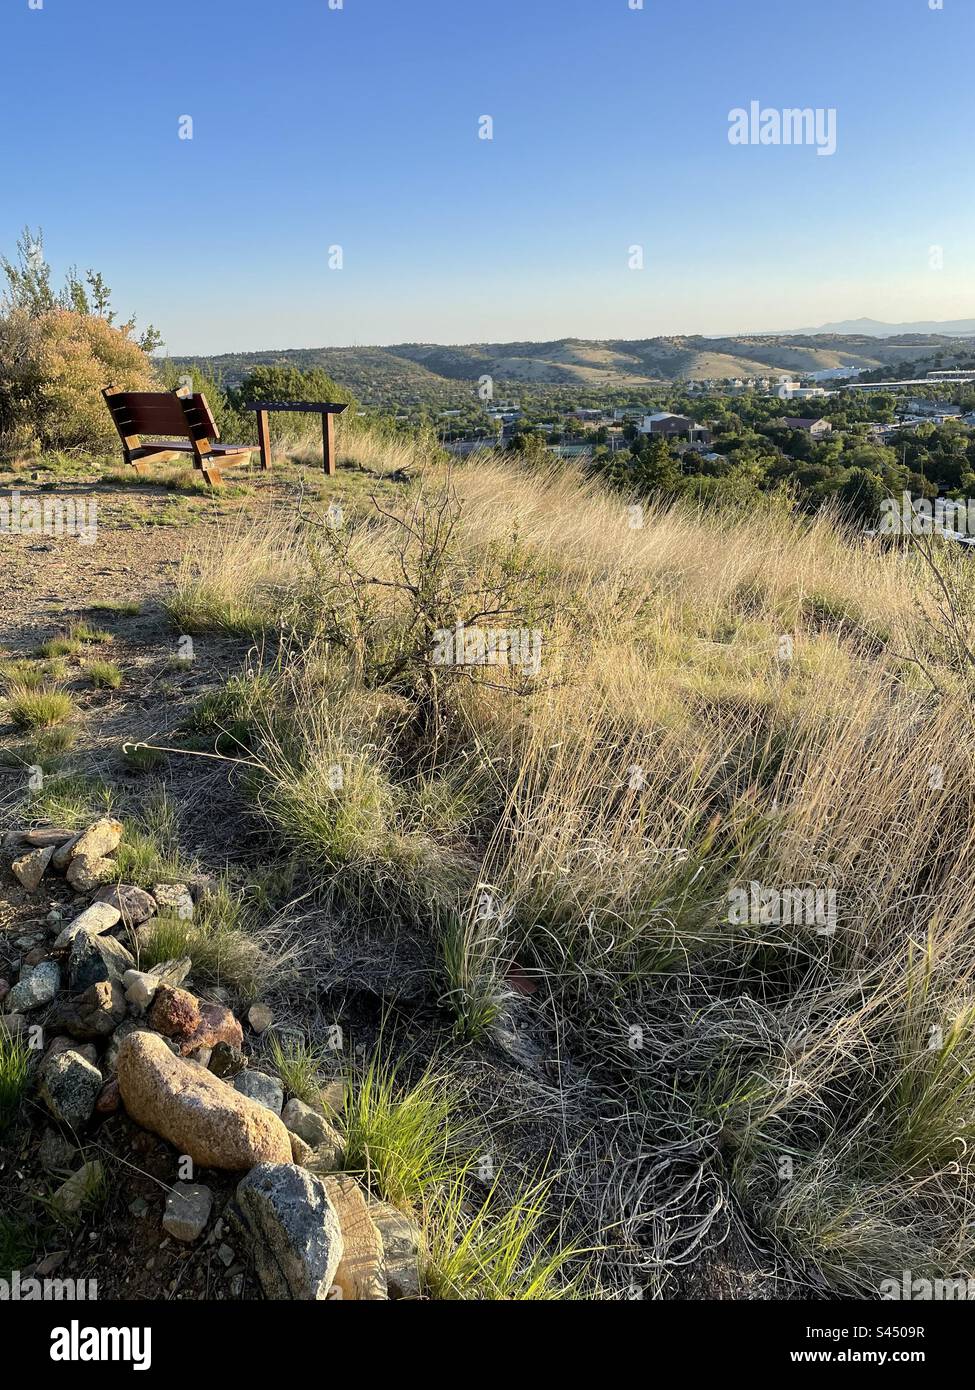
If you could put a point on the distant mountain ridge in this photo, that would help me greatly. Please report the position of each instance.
(424, 370)
(873, 328)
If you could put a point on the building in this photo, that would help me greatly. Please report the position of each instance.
(943, 410)
(675, 427)
(817, 429)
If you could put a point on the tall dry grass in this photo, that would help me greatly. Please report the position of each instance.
(723, 699)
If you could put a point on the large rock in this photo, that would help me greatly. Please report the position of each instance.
(69, 1088)
(29, 868)
(177, 1014)
(98, 918)
(194, 1110)
(297, 1238)
(308, 1124)
(35, 988)
(95, 958)
(134, 905)
(360, 1273)
(86, 871)
(94, 1014)
(101, 838)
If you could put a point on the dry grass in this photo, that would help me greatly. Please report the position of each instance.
(723, 699)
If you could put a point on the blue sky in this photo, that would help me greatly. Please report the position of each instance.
(358, 127)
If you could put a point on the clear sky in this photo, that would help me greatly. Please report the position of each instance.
(357, 127)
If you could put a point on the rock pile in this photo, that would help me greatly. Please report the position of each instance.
(119, 1036)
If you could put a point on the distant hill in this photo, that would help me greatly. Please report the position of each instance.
(873, 328)
(411, 372)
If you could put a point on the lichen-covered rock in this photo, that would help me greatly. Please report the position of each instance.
(175, 1012)
(295, 1231)
(35, 988)
(201, 1115)
(94, 958)
(69, 1088)
(174, 899)
(266, 1090)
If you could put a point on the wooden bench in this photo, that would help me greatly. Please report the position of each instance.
(165, 413)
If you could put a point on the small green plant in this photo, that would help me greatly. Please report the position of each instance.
(403, 1139)
(91, 636)
(39, 708)
(142, 757)
(302, 1066)
(71, 800)
(150, 852)
(104, 675)
(495, 1249)
(122, 608)
(471, 946)
(15, 1067)
(58, 646)
(22, 673)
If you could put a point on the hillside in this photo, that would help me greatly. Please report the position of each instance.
(439, 373)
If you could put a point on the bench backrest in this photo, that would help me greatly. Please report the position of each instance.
(161, 413)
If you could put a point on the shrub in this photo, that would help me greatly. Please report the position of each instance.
(53, 368)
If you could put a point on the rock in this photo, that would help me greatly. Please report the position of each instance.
(62, 855)
(259, 1017)
(226, 1060)
(35, 988)
(69, 1088)
(134, 905)
(101, 838)
(98, 918)
(86, 872)
(188, 1208)
(56, 1154)
(194, 1110)
(95, 958)
(173, 898)
(12, 1025)
(201, 1057)
(175, 1012)
(95, 1013)
(140, 988)
(226, 1255)
(41, 839)
(34, 957)
(4, 989)
(217, 1025)
(29, 868)
(360, 1273)
(331, 1100)
(295, 1231)
(401, 1250)
(61, 1044)
(109, 1098)
(266, 1090)
(301, 1153)
(316, 1131)
(81, 1187)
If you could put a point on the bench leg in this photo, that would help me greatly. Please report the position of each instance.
(328, 443)
(213, 476)
(264, 438)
